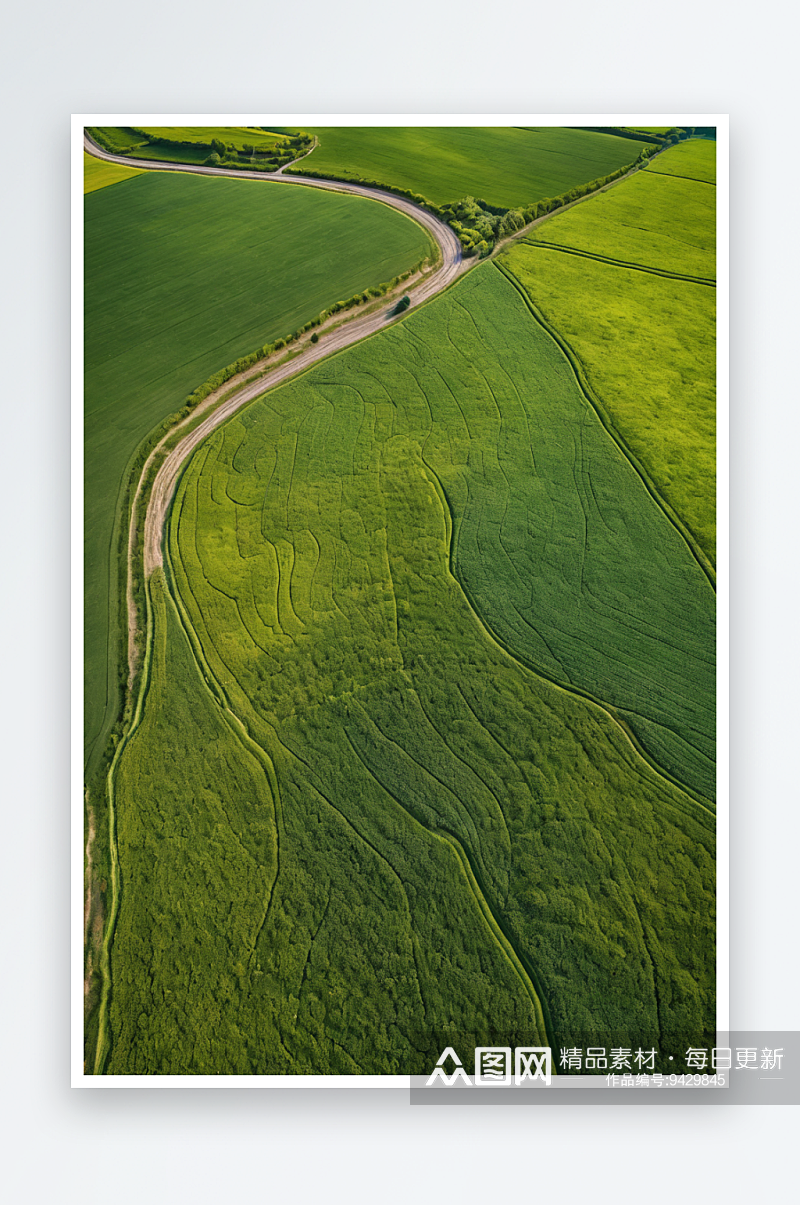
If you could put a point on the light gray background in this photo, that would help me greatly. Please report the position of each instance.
(410, 57)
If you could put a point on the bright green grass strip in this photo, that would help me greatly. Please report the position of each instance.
(238, 136)
(183, 275)
(311, 541)
(656, 221)
(506, 167)
(647, 345)
(315, 943)
(99, 174)
(696, 159)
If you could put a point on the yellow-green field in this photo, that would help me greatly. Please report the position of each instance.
(696, 160)
(607, 277)
(98, 174)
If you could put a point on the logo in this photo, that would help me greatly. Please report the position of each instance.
(532, 1062)
(439, 1072)
(493, 1067)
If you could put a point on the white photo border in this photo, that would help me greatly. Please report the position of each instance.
(79, 1079)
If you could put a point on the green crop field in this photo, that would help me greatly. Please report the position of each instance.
(645, 341)
(506, 167)
(238, 136)
(696, 160)
(98, 174)
(341, 940)
(655, 221)
(377, 568)
(423, 747)
(182, 276)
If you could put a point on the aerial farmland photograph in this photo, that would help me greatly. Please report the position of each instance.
(400, 595)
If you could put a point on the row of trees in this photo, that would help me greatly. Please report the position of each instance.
(250, 157)
(669, 138)
(480, 225)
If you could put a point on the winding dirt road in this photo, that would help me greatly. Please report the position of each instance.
(350, 332)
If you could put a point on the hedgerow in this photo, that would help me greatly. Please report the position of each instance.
(117, 141)
(625, 132)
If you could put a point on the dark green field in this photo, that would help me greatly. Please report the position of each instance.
(170, 154)
(356, 814)
(506, 167)
(183, 275)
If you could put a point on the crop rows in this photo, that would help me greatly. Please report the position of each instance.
(463, 845)
(183, 276)
(507, 167)
(645, 341)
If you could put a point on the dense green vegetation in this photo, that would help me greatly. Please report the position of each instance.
(183, 275)
(233, 146)
(120, 140)
(645, 342)
(696, 160)
(458, 838)
(270, 932)
(507, 167)
(99, 174)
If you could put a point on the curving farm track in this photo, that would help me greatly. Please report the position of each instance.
(353, 331)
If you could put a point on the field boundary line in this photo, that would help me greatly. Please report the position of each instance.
(523, 972)
(573, 691)
(694, 179)
(671, 515)
(621, 263)
(519, 963)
